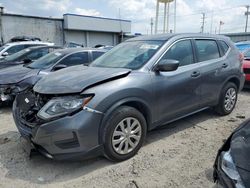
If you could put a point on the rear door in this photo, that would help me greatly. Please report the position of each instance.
(214, 69)
(178, 92)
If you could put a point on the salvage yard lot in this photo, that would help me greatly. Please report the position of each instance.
(180, 154)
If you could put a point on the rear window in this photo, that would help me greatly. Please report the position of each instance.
(223, 46)
(207, 50)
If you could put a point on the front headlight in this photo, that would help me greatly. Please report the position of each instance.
(228, 166)
(62, 106)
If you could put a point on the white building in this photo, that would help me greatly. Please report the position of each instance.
(86, 30)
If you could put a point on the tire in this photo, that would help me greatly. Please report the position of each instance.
(116, 133)
(230, 89)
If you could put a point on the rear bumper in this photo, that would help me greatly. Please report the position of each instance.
(68, 138)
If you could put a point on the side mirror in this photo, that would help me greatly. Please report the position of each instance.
(58, 67)
(167, 65)
(5, 54)
(26, 61)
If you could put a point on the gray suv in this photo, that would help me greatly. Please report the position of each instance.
(108, 107)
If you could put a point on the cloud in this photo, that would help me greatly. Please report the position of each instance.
(61, 5)
(87, 12)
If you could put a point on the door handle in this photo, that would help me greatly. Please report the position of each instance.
(225, 65)
(195, 74)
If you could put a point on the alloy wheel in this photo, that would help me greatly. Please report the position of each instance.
(127, 135)
(230, 99)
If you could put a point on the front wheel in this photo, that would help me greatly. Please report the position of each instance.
(228, 99)
(124, 134)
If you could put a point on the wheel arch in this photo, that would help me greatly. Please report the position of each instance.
(134, 102)
(234, 80)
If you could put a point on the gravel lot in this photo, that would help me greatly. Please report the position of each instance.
(180, 154)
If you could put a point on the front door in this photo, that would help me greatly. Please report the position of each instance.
(178, 92)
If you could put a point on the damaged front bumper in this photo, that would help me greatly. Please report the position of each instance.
(6, 92)
(71, 137)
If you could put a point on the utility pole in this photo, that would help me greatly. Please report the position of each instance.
(1, 25)
(156, 16)
(121, 25)
(175, 15)
(247, 13)
(221, 23)
(212, 20)
(203, 22)
(151, 24)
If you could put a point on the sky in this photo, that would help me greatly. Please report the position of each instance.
(140, 12)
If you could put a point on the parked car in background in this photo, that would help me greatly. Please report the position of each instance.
(73, 45)
(20, 77)
(106, 47)
(26, 56)
(246, 67)
(232, 167)
(108, 107)
(11, 48)
(243, 46)
(23, 38)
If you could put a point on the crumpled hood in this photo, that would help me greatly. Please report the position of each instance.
(15, 74)
(77, 78)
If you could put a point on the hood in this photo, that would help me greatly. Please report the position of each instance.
(240, 146)
(5, 64)
(15, 74)
(77, 78)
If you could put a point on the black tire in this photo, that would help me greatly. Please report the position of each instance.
(220, 108)
(115, 118)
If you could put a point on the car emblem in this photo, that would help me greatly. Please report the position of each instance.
(27, 100)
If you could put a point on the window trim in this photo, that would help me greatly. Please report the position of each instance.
(218, 48)
(183, 39)
(229, 47)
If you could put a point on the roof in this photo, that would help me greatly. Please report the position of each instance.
(28, 42)
(41, 47)
(97, 17)
(30, 16)
(74, 50)
(165, 37)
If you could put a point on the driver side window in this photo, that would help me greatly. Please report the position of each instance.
(181, 51)
(76, 59)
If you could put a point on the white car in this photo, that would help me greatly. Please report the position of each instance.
(14, 47)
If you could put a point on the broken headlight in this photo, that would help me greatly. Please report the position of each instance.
(62, 106)
(228, 166)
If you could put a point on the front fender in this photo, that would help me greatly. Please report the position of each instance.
(122, 102)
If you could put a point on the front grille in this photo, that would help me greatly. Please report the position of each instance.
(246, 70)
(29, 104)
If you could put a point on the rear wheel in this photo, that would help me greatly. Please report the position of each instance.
(124, 133)
(228, 99)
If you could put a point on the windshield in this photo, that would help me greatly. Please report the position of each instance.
(131, 55)
(46, 61)
(3, 47)
(17, 55)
